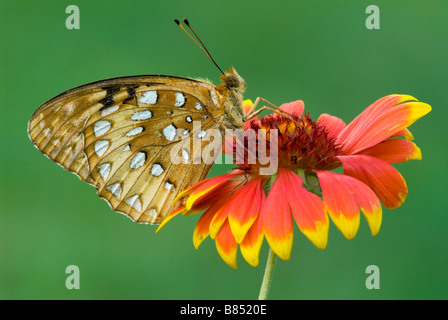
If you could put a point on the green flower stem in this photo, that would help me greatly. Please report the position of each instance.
(270, 263)
(268, 273)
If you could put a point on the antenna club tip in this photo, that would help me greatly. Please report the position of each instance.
(186, 22)
(177, 21)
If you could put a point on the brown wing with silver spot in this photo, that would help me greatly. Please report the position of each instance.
(137, 139)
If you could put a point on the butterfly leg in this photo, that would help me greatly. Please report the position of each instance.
(257, 101)
(253, 113)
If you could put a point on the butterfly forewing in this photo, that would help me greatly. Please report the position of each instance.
(119, 135)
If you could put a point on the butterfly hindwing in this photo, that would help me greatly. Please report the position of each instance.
(119, 135)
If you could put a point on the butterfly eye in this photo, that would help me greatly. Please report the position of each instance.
(231, 82)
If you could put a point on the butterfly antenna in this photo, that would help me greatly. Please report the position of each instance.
(203, 47)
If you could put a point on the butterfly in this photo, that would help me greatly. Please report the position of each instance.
(118, 135)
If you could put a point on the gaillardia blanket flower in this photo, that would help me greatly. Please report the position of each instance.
(304, 188)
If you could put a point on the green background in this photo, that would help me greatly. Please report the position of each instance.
(317, 51)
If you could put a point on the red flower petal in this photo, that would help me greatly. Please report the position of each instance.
(220, 218)
(403, 133)
(202, 188)
(201, 231)
(381, 120)
(251, 245)
(307, 209)
(245, 207)
(226, 245)
(295, 108)
(340, 202)
(277, 218)
(212, 200)
(222, 205)
(381, 177)
(343, 197)
(332, 123)
(394, 150)
(214, 197)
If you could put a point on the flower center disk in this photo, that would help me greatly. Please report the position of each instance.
(301, 144)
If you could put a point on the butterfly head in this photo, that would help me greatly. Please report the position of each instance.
(233, 81)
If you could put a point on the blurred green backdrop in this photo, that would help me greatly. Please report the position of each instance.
(317, 51)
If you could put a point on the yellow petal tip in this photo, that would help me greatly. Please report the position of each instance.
(406, 97)
(319, 234)
(419, 109)
(348, 225)
(374, 219)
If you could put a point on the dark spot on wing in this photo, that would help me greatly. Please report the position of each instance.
(107, 102)
(131, 93)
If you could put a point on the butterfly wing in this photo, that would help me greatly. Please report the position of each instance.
(120, 135)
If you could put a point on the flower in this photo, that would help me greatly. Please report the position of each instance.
(304, 188)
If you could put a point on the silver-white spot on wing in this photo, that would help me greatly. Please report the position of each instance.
(180, 99)
(47, 133)
(149, 97)
(115, 189)
(101, 147)
(170, 132)
(138, 160)
(109, 110)
(135, 203)
(214, 97)
(198, 106)
(134, 132)
(186, 156)
(169, 186)
(189, 119)
(202, 134)
(157, 169)
(101, 127)
(152, 213)
(142, 115)
(104, 170)
(127, 148)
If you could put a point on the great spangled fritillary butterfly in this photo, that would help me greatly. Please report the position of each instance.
(117, 135)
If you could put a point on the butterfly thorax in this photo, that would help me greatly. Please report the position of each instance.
(232, 90)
